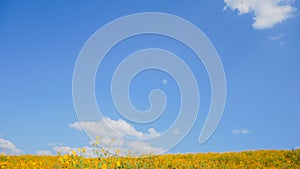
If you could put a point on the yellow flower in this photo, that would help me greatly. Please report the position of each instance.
(104, 166)
(84, 150)
(60, 158)
(118, 164)
(66, 156)
(67, 163)
(117, 151)
(74, 153)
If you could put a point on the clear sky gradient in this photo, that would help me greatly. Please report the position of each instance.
(40, 42)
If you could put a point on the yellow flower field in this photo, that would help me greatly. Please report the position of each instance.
(247, 159)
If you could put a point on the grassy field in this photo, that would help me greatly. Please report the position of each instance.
(247, 159)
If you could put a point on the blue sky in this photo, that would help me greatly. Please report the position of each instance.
(257, 42)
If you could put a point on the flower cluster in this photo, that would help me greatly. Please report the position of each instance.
(76, 159)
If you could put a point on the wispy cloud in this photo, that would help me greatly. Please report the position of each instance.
(267, 13)
(8, 147)
(276, 37)
(241, 131)
(43, 152)
(165, 81)
(176, 131)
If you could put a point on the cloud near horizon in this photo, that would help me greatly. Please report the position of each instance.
(8, 147)
(115, 136)
(44, 152)
(267, 13)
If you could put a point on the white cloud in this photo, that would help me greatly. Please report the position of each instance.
(267, 13)
(43, 152)
(151, 133)
(8, 147)
(115, 136)
(62, 149)
(121, 126)
(241, 131)
(139, 147)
